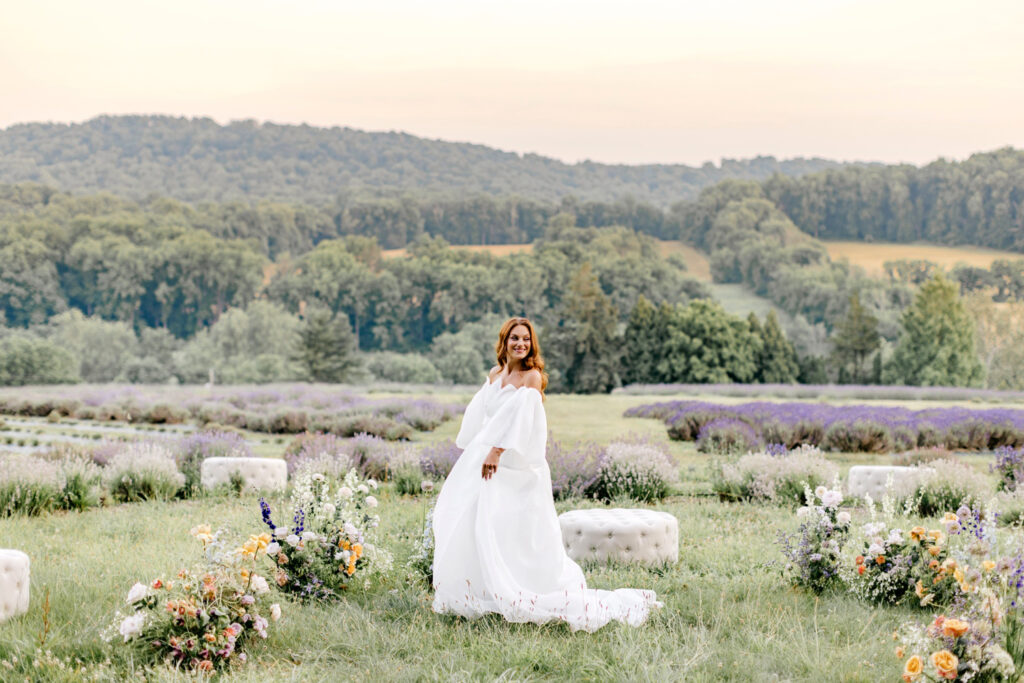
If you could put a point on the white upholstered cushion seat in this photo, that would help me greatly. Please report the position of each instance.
(261, 474)
(14, 583)
(627, 535)
(873, 479)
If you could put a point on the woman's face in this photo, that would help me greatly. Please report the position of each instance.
(519, 342)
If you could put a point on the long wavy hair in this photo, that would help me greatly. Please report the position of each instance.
(533, 361)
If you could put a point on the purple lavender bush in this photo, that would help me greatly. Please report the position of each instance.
(191, 450)
(312, 445)
(574, 468)
(437, 460)
(727, 436)
(1009, 465)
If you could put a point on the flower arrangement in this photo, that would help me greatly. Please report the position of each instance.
(328, 543)
(201, 618)
(813, 554)
(1009, 465)
(421, 562)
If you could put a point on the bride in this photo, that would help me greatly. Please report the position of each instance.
(498, 545)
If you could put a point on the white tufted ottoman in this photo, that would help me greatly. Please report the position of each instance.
(871, 480)
(646, 536)
(14, 566)
(262, 474)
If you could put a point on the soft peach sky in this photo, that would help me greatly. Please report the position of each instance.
(631, 82)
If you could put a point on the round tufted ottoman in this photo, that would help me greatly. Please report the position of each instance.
(646, 536)
(872, 479)
(262, 474)
(14, 566)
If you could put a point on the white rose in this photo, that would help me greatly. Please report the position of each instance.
(371, 502)
(372, 483)
(281, 532)
(137, 592)
(426, 486)
(350, 529)
(832, 499)
(259, 585)
(362, 488)
(820, 491)
(308, 535)
(345, 492)
(329, 509)
(274, 548)
(875, 549)
(318, 477)
(275, 611)
(895, 536)
(843, 517)
(292, 540)
(132, 626)
(344, 555)
(803, 511)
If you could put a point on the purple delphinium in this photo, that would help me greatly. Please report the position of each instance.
(1010, 466)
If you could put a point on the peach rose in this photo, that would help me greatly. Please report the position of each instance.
(912, 669)
(954, 628)
(945, 663)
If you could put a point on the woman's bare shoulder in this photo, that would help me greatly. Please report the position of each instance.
(533, 379)
(493, 372)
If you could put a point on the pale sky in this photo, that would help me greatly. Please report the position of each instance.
(618, 82)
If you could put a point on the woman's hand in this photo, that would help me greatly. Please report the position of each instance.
(491, 463)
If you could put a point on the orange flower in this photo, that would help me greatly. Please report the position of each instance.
(358, 550)
(933, 565)
(917, 533)
(945, 663)
(860, 569)
(919, 589)
(900, 652)
(206, 665)
(209, 637)
(158, 584)
(860, 559)
(912, 669)
(935, 550)
(954, 628)
(281, 578)
(880, 559)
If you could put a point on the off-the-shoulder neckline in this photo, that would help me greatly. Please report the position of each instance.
(497, 380)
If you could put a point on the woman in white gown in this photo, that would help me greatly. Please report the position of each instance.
(497, 542)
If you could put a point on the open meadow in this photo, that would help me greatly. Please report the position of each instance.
(729, 612)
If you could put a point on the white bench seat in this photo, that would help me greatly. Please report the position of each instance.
(626, 535)
(14, 583)
(261, 474)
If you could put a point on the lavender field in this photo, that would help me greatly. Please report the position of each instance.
(838, 428)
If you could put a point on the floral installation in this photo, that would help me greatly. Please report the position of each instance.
(328, 543)
(813, 554)
(200, 618)
(421, 562)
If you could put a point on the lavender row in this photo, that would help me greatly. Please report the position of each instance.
(848, 428)
(826, 391)
(287, 409)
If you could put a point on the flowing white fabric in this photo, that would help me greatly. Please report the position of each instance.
(497, 543)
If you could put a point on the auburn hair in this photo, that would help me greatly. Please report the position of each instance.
(533, 361)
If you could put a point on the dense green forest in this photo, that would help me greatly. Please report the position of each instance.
(199, 160)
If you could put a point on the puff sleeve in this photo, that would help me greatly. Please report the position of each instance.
(472, 419)
(520, 427)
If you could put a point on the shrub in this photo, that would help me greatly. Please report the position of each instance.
(437, 460)
(383, 427)
(163, 413)
(687, 426)
(574, 469)
(411, 368)
(779, 479)
(190, 451)
(727, 436)
(407, 479)
(858, 436)
(80, 488)
(28, 485)
(920, 456)
(640, 471)
(143, 471)
(316, 445)
(946, 485)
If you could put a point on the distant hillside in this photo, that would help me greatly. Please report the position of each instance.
(199, 160)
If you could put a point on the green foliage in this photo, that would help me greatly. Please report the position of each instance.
(326, 348)
(30, 360)
(642, 342)
(102, 347)
(855, 339)
(704, 344)
(777, 360)
(413, 368)
(585, 348)
(937, 344)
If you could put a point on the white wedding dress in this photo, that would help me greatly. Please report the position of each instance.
(497, 543)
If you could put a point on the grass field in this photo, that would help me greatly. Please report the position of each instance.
(729, 614)
(871, 255)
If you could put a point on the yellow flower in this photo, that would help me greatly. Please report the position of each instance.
(954, 628)
(919, 589)
(917, 533)
(958, 575)
(950, 517)
(202, 532)
(988, 565)
(945, 663)
(935, 535)
(357, 551)
(264, 540)
(935, 550)
(912, 669)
